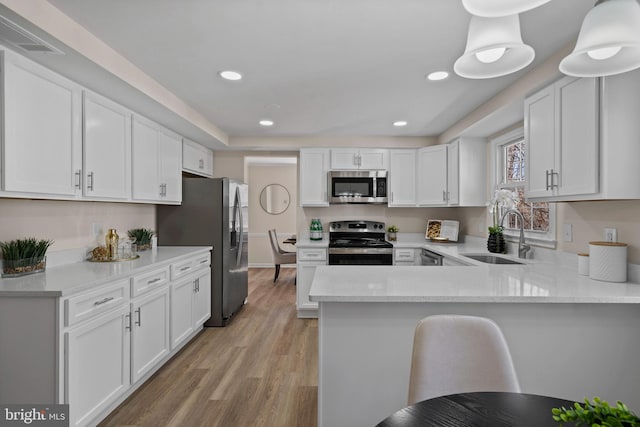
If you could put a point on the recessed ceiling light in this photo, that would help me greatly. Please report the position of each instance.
(266, 122)
(400, 123)
(230, 75)
(438, 75)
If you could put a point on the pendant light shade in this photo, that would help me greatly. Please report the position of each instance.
(495, 8)
(609, 41)
(494, 48)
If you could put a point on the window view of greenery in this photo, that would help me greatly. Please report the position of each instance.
(536, 215)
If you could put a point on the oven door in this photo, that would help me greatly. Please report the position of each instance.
(360, 256)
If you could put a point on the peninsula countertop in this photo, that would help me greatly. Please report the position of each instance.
(534, 281)
(68, 279)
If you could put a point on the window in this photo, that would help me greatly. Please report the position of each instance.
(510, 174)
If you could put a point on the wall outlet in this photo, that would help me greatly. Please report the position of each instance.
(610, 235)
(567, 232)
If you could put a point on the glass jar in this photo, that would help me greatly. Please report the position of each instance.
(315, 230)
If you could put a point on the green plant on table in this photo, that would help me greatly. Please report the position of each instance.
(142, 236)
(597, 414)
(393, 229)
(25, 248)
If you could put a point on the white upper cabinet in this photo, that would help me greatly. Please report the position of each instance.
(562, 140)
(314, 167)
(359, 158)
(157, 163)
(402, 178)
(197, 159)
(41, 153)
(106, 148)
(432, 176)
(453, 174)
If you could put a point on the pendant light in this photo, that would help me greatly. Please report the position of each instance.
(494, 48)
(609, 41)
(495, 8)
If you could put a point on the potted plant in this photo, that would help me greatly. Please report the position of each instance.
(24, 256)
(142, 237)
(501, 199)
(392, 231)
(597, 414)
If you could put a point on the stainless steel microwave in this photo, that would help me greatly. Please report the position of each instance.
(361, 186)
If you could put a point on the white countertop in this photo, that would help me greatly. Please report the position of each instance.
(536, 281)
(71, 278)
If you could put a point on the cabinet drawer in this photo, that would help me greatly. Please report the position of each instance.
(182, 268)
(92, 303)
(405, 255)
(312, 254)
(146, 282)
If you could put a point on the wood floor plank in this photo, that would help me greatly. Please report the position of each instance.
(260, 370)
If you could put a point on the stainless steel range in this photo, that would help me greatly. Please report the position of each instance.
(359, 243)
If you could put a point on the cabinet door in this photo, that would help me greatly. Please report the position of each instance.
(97, 364)
(373, 159)
(432, 176)
(453, 173)
(578, 136)
(145, 170)
(150, 332)
(197, 159)
(202, 299)
(42, 131)
(181, 311)
(107, 149)
(314, 166)
(344, 158)
(170, 165)
(305, 272)
(402, 178)
(539, 134)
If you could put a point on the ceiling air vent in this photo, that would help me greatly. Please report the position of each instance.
(17, 36)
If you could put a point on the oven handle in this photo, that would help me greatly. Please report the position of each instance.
(350, 251)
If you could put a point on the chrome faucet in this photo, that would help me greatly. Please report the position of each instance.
(523, 248)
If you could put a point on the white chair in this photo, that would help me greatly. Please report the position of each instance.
(459, 354)
(278, 255)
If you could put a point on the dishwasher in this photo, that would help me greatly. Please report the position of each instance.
(430, 258)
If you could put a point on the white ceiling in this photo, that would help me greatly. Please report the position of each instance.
(316, 67)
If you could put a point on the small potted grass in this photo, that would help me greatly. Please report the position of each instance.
(24, 256)
(142, 237)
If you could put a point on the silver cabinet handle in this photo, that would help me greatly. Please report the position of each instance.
(103, 301)
(78, 178)
(185, 268)
(196, 286)
(553, 184)
(448, 195)
(127, 325)
(444, 196)
(204, 261)
(90, 181)
(156, 280)
(139, 321)
(161, 189)
(201, 163)
(547, 179)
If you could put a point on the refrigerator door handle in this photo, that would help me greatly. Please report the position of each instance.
(238, 204)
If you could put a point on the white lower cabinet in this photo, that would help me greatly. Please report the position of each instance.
(149, 332)
(308, 260)
(190, 304)
(406, 256)
(117, 335)
(97, 365)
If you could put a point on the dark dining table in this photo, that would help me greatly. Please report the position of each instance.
(482, 409)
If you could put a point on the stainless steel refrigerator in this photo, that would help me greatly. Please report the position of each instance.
(214, 212)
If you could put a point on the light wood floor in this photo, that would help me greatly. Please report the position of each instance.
(260, 370)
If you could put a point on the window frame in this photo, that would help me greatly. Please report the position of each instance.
(546, 239)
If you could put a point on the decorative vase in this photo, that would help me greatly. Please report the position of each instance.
(496, 243)
(391, 236)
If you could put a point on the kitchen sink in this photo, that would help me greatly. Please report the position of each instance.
(491, 259)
